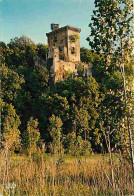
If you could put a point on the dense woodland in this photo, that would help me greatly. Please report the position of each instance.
(79, 108)
(70, 106)
(80, 115)
(73, 110)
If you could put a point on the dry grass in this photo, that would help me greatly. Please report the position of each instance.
(50, 176)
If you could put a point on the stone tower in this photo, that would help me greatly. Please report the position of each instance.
(64, 51)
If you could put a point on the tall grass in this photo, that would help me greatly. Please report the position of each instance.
(45, 175)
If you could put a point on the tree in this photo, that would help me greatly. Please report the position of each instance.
(80, 70)
(21, 51)
(10, 130)
(10, 138)
(78, 92)
(83, 118)
(11, 84)
(24, 52)
(55, 133)
(125, 61)
(24, 77)
(86, 55)
(42, 52)
(76, 146)
(111, 36)
(31, 136)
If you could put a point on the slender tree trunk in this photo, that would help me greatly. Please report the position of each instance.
(59, 146)
(131, 144)
(108, 144)
(128, 122)
(111, 161)
(85, 135)
(85, 144)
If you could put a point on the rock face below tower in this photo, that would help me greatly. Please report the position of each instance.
(64, 52)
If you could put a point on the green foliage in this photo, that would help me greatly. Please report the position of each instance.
(11, 84)
(31, 136)
(30, 93)
(96, 60)
(86, 95)
(23, 51)
(80, 70)
(83, 117)
(76, 146)
(69, 143)
(111, 41)
(86, 55)
(10, 127)
(42, 51)
(55, 133)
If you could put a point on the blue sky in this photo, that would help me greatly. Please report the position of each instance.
(33, 18)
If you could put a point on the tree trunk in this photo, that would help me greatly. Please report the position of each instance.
(128, 123)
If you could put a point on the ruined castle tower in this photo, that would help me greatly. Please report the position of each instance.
(64, 51)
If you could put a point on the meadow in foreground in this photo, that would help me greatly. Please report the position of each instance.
(45, 175)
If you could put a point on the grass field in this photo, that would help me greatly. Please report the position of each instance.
(45, 175)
